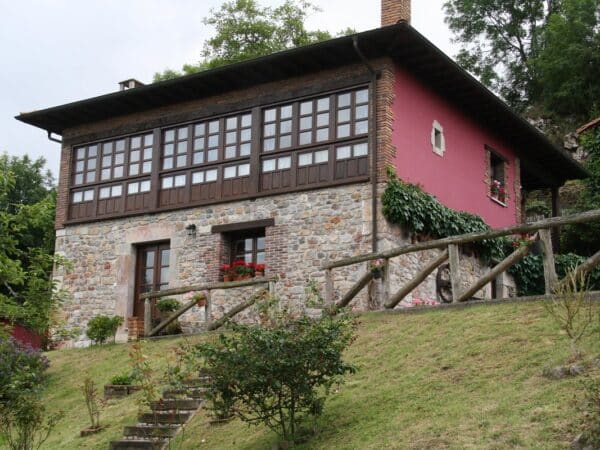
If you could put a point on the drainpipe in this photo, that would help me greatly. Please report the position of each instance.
(372, 140)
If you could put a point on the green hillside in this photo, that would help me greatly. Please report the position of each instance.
(455, 378)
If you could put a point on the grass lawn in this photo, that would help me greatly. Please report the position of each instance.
(454, 379)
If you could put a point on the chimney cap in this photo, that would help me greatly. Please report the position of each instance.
(130, 83)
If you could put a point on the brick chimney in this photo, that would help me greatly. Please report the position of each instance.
(393, 11)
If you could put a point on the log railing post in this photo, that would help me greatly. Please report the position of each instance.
(454, 271)
(328, 287)
(385, 282)
(147, 316)
(550, 278)
(208, 307)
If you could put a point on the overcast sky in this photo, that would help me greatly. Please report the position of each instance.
(57, 51)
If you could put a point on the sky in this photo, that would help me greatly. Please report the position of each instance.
(58, 51)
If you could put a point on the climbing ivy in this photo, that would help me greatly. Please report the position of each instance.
(418, 212)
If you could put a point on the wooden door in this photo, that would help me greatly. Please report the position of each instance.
(152, 273)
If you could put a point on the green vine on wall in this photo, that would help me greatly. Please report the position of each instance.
(418, 212)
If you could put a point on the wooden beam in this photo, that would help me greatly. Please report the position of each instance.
(417, 280)
(147, 316)
(161, 326)
(513, 258)
(550, 278)
(555, 213)
(209, 286)
(235, 310)
(585, 267)
(328, 287)
(585, 217)
(454, 256)
(386, 281)
(354, 290)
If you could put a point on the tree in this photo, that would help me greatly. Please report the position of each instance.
(534, 53)
(27, 210)
(246, 30)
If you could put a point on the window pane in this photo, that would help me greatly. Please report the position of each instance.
(164, 261)
(361, 127)
(179, 181)
(362, 96)
(285, 141)
(286, 112)
(260, 257)
(145, 186)
(213, 127)
(116, 191)
(79, 178)
(182, 147)
(268, 165)
(198, 157)
(231, 123)
(211, 175)
(133, 188)
(305, 159)
(136, 142)
(181, 161)
(212, 155)
(285, 126)
(270, 115)
(343, 152)
(213, 141)
(197, 177)
(147, 153)
(90, 177)
(231, 137)
(169, 148)
(164, 273)
(243, 170)
(147, 167)
(248, 244)
(92, 163)
(306, 123)
(106, 161)
(246, 120)
(199, 143)
(323, 104)
(343, 131)
(284, 163)
(104, 192)
(246, 134)
(88, 195)
(92, 151)
(306, 137)
(260, 243)
(107, 148)
(230, 151)
(168, 163)
(79, 166)
(321, 156)
(81, 153)
(361, 149)
(343, 115)
(118, 172)
(322, 134)
(362, 112)
(269, 130)
(269, 145)
(167, 183)
(343, 100)
(77, 197)
(149, 276)
(170, 136)
(105, 174)
(120, 145)
(135, 156)
(322, 119)
(245, 149)
(119, 159)
(134, 169)
(306, 107)
(149, 139)
(229, 172)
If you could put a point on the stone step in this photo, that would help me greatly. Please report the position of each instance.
(165, 417)
(194, 393)
(197, 382)
(176, 405)
(151, 431)
(136, 444)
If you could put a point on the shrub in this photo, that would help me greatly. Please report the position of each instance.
(124, 379)
(92, 402)
(591, 413)
(101, 328)
(168, 305)
(21, 370)
(278, 375)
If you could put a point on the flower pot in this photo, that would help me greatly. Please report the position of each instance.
(226, 278)
(259, 274)
(201, 302)
(241, 277)
(119, 390)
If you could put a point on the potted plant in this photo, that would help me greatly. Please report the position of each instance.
(242, 270)
(166, 306)
(376, 268)
(498, 191)
(226, 272)
(259, 270)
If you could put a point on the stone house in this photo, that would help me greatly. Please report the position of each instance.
(280, 160)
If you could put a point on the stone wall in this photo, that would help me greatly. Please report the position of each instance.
(310, 229)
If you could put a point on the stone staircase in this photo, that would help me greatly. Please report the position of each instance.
(157, 427)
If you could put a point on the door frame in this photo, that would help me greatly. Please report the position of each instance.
(137, 291)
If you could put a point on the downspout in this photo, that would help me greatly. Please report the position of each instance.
(372, 140)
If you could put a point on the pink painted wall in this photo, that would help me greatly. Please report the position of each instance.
(458, 178)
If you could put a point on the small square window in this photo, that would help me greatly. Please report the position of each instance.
(361, 127)
(167, 182)
(245, 149)
(285, 141)
(362, 96)
(229, 172)
(212, 155)
(321, 156)
(306, 108)
(231, 123)
(286, 112)
(104, 193)
(88, 196)
(284, 163)
(182, 147)
(213, 127)
(179, 181)
(211, 175)
(438, 142)
(343, 100)
(147, 167)
(134, 169)
(305, 159)
(145, 186)
(136, 142)
(133, 188)
(198, 157)
(116, 191)
(322, 134)
(230, 151)
(268, 165)
(170, 136)
(77, 197)
(343, 152)
(246, 120)
(197, 177)
(323, 104)
(360, 149)
(306, 137)
(244, 170)
(270, 115)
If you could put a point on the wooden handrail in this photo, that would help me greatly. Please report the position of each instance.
(208, 287)
(587, 216)
(158, 328)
